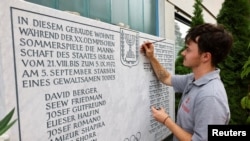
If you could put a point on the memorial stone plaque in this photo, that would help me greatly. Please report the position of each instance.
(72, 78)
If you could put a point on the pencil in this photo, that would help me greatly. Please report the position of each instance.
(157, 41)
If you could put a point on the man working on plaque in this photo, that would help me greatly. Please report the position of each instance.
(204, 100)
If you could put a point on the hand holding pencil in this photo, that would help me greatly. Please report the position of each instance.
(147, 48)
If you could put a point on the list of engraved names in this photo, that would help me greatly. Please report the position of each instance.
(158, 92)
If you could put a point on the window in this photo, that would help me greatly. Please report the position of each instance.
(181, 29)
(138, 15)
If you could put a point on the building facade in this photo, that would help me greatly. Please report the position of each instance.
(163, 18)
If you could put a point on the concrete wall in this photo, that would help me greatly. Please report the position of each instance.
(213, 6)
(185, 8)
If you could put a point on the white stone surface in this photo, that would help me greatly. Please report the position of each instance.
(102, 78)
(5, 137)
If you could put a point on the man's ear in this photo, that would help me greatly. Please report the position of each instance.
(206, 56)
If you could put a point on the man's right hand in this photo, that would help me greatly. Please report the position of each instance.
(148, 49)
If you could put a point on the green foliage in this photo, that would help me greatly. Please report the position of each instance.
(5, 123)
(197, 18)
(245, 102)
(246, 69)
(235, 16)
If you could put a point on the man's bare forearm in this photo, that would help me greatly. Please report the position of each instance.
(161, 73)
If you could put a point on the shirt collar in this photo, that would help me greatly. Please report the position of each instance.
(208, 77)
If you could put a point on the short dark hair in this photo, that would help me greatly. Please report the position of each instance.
(213, 38)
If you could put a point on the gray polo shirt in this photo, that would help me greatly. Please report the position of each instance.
(204, 101)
